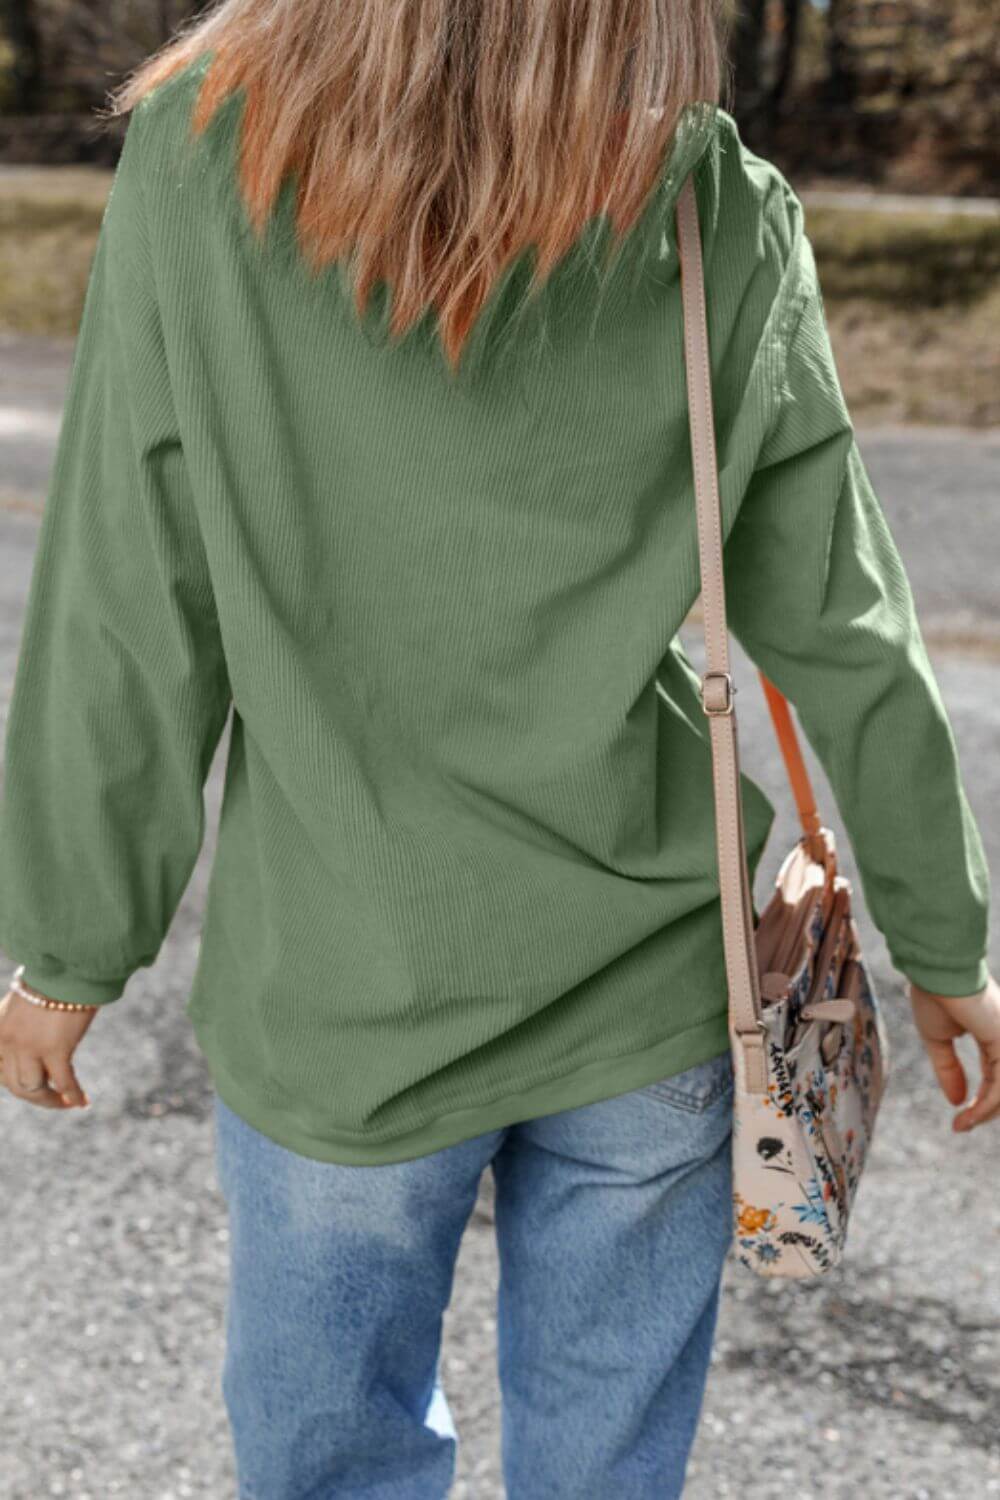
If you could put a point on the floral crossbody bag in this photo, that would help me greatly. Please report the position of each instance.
(809, 1044)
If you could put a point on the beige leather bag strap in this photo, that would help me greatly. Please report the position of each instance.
(717, 684)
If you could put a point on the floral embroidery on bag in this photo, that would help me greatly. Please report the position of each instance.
(799, 1149)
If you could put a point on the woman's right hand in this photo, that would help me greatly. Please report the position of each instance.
(942, 1018)
(36, 1052)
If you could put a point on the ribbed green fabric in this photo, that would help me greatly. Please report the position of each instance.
(466, 867)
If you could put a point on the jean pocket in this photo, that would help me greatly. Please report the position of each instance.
(698, 1087)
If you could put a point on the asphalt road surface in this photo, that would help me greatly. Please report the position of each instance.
(882, 1380)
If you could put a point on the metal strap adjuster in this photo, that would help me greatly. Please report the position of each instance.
(713, 701)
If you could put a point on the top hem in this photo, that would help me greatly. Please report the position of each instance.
(957, 983)
(602, 1079)
(65, 984)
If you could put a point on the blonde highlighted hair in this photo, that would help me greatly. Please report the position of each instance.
(434, 140)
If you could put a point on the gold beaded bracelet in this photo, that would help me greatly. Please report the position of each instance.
(19, 987)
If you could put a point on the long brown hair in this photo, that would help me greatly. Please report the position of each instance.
(434, 140)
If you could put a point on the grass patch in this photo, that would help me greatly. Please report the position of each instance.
(49, 219)
(908, 261)
(913, 305)
(928, 365)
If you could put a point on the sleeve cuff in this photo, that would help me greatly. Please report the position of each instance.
(62, 984)
(949, 981)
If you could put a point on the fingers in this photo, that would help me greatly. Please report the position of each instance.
(948, 1068)
(986, 1105)
(20, 1073)
(64, 1079)
(934, 1021)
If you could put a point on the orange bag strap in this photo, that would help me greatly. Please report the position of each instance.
(791, 754)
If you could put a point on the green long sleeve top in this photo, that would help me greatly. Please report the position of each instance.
(465, 870)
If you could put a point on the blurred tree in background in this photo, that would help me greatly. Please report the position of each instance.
(23, 56)
(58, 59)
(902, 92)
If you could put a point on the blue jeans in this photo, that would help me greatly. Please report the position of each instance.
(612, 1225)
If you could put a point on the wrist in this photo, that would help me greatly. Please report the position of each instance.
(958, 982)
(20, 986)
(921, 992)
